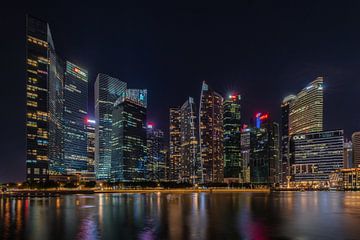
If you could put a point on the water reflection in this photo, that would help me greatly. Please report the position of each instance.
(300, 215)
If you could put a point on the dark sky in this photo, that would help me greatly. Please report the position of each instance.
(264, 51)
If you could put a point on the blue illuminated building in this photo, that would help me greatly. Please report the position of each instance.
(107, 90)
(75, 116)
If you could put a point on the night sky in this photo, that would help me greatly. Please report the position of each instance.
(264, 51)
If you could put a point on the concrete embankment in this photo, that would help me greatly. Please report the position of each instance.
(54, 193)
(218, 190)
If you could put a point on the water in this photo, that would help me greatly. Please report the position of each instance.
(288, 215)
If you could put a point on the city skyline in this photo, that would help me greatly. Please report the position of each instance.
(247, 95)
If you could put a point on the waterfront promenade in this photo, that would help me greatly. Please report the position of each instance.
(56, 192)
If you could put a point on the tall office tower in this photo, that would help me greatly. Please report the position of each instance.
(155, 159)
(189, 166)
(245, 154)
(317, 155)
(90, 127)
(356, 148)
(348, 155)
(44, 82)
(306, 110)
(264, 150)
(166, 153)
(75, 116)
(128, 138)
(284, 168)
(174, 144)
(107, 91)
(211, 135)
(232, 139)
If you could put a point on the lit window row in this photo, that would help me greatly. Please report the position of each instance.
(43, 60)
(37, 41)
(32, 80)
(31, 124)
(41, 157)
(31, 95)
(31, 104)
(32, 62)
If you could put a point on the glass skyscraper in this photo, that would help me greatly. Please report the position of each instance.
(107, 91)
(211, 135)
(190, 166)
(317, 155)
(174, 144)
(232, 138)
(264, 150)
(284, 168)
(306, 110)
(75, 118)
(356, 148)
(155, 159)
(245, 154)
(128, 139)
(90, 126)
(44, 83)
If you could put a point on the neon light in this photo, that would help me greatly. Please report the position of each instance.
(150, 125)
(264, 117)
(77, 70)
(88, 120)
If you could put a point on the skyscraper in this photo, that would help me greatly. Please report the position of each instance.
(44, 82)
(306, 110)
(284, 168)
(264, 150)
(155, 159)
(245, 154)
(90, 126)
(317, 155)
(348, 154)
(189, 166)
(211, 135)
(107, 91)
(174, 144)
(128, 138)
(356, 148)
(232, 138)
(75, 117)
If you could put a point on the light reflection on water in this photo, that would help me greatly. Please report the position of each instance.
(291, 215)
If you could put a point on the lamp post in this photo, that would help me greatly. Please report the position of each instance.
(288, 181)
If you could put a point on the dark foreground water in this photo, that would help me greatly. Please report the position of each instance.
(292, 215)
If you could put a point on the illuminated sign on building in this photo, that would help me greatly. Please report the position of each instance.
(260, 118)
(299, 137)
(77, 70)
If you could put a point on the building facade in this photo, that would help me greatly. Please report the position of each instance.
(317, 155)
(306, 110)
(211, 135)
(75, 117)
(284, 168)
(44, 82)
(232, 138)
(264, 150)
(245, 154)
(90, 126)
(174, 144)
(107, 90)
(128, 137)
(156, 154)
(356, 148)
(348, 155)
(190, 170)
